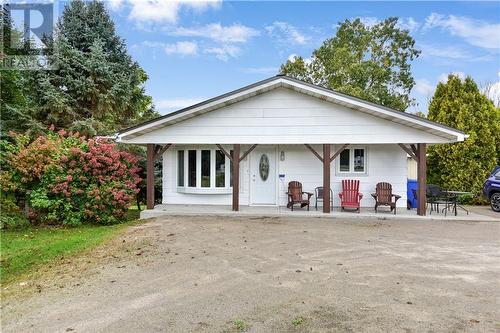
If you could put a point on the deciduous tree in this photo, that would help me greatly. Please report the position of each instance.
(370, 62)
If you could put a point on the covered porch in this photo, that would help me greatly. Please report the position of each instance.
(236, 154)
(258, 212)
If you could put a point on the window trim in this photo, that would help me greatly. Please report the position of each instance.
(198, 189)
(351, 162)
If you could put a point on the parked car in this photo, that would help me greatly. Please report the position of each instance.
(491, 189)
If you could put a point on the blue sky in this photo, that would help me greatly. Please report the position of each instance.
(194, 50)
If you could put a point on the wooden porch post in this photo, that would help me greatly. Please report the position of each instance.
(326, 178)
(422, 178)
(150, 176)
(236, 177)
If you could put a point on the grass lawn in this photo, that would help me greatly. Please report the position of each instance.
(25, 250)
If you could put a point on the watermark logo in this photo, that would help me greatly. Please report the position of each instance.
(26, 35)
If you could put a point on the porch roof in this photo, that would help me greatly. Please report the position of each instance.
(398, 117)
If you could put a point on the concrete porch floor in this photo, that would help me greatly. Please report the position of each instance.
(259, 211)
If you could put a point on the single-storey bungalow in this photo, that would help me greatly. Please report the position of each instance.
(243, 147)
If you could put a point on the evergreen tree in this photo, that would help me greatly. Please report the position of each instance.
(465, 165)
(94, 86)
(13, 115)
(370, 62)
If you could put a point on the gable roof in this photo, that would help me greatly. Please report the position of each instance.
(278, 81)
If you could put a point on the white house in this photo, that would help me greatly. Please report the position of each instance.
(276, 131)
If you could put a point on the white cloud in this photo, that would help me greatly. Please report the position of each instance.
(292, 57)
(406, 23)
(369, 21)
(286, 33)
(161, 11)
(451, 52)
(156, 11)
(441, 51)
(475, 32)
(114, 4)
(235, 33)
(224, 52)
(182, 48)
(177, 103)
(424, 87)
(261, 70)
(152, 44)
(444, 76)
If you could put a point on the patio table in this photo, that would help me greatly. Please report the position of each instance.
(453, 196)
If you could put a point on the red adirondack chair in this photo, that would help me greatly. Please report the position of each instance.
(350, 196)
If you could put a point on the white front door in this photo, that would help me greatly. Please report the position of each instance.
(263, 176)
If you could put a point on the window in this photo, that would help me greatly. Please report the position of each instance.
(220, 169)
(345, 160)
(352, 160)
(192, 168)
(205, 168)
(180, 168)
(359, 160)
(203, 171)
(231, 169)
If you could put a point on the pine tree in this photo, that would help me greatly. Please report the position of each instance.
(465, 165)
(94, 86)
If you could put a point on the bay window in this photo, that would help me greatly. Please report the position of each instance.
(203, 171)
(352, 160)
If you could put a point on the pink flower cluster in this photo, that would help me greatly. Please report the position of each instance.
(92, 177)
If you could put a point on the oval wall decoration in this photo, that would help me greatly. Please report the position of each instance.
(264, 167)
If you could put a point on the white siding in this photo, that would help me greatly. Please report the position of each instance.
(385, 163)
(283, 116)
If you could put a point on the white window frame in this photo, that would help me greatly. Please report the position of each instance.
(351, 162)
(198, 189)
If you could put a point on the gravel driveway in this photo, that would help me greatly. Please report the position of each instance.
(206, 274)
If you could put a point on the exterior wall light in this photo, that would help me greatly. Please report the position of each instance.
(282, 155)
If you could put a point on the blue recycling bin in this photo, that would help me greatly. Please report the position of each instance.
(410, 186)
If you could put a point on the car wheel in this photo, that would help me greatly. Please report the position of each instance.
(495, 202)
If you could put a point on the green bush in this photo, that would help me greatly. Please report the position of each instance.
(464, 166)
(12, 221)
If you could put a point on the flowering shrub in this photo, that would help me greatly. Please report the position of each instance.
(68, 179)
